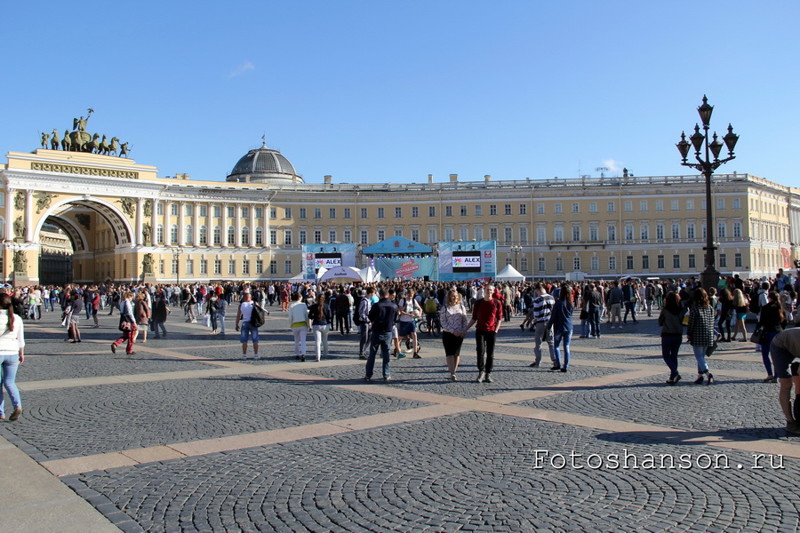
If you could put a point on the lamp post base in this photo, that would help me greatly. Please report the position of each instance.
(709, 278)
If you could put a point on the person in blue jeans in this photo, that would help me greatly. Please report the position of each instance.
(670, 320)
(12, 354)
(247, 330)
(382, 316)
(771, 320)
(561, 322)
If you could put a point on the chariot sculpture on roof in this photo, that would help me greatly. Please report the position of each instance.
(80, 140)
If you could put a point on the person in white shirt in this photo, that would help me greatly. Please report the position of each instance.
(12, 354)
(298, 322)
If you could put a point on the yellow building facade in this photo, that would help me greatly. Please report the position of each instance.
(127, 224)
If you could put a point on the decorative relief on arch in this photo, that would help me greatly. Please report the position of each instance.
(19, 201)
(43, 201)
(128, 206)
(148, 208)
(19, 228)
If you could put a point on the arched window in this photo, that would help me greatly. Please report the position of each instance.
(217, 235)
(259, 236)
(245, 236)
(189, 235)
(203, 236)
(160, 234)
(231, 236)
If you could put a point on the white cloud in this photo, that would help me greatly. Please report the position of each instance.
(241, 69)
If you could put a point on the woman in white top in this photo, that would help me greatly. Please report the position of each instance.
(298, 322)
(454, 321)
(248, 332)
(12, 354)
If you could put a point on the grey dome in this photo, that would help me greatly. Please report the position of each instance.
(264, 165)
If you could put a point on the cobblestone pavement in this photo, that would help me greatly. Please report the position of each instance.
(185, 435)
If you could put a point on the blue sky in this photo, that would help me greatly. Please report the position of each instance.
(394, 91)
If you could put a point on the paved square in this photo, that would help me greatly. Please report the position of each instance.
(187, 436)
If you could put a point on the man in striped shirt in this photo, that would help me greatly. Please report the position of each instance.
(542, 306)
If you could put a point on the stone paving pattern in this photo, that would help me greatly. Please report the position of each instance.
(362, 466)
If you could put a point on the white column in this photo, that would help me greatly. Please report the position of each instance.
(238, 215)
(28, 216)
(154, 222)
(138, 240)
(10, 214)
(224, 225)
(196, 224)
(252, 225)
(181, 224)
(167, 225)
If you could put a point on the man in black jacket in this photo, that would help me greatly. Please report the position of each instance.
(382, 316)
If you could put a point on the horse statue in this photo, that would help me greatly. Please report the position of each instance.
(66, 144)
(94, 145)
(55, 140)
(113, 146)
(81, 141)
(102, 148)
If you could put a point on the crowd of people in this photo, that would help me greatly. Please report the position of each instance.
(386, 318)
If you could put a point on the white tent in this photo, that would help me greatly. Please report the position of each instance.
(509, 273)
(300, 278)
(370, 274)
(341, 273)
(321, 272)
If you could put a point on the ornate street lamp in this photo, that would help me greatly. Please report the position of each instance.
(516, 249)
(700, 142)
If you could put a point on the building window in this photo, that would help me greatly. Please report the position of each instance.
(595, 263)
(347, 213)
(173, 234)
(507, 235)
(542, 264)
(674, 205)
(317, 213)
(381, 235)
(723, 260)
(479, 233)
(160, 233)
(492, 209)
(398, 212)
(217, 211)
(232, 266)
(676, 231)
(363, 212)
(217, 235)
(645, 262)
(160, 208)
(690, 230)
(690, 205)
(659, 205)
(720, 203)
(523, 264)
(593, 207)
(245, 236)
(204, 267)
(523, 235)
(660, 261)
(231, 235)
(448, 234)
(364, 237)
(431, 211)
(189, 235)
(557, 209)
(644, 232)
(612, 263)
(558, 234)
(231, 211)
(523, 209)
(448, 210)
(317, 236)
(381, 212)
(612, 207)
(737, 203)
(259, 211)
(302, 213)
(203, 210)
(594, 233)
(273, 237)
(332, 236)
(174, 265)
(611, 232)
(432, 235)
(273, 267)
(259, 236)
(676, 261)
(627, 206)
(576, 208)
(660, 231)
(246, 267)
(203, 235)
(463, 210)
(721, 230)
(737, 230)
(287, 237)
(642, 205)
(259, 266)
(302, 237)
(507, 209)
(737, 260)
(415, 212)
(217, 266)
(492, 234)
(245, 212)
(287, 267)
(414, 235)
(347, 236)
(478, 210)
(692, 261)
(464, 233)
(559, 264)
(540, 211)
(576, 233)
(628, 232)
(541, 234)
(332, 213)
(173, 209)
(576, 263)
(629, 262)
